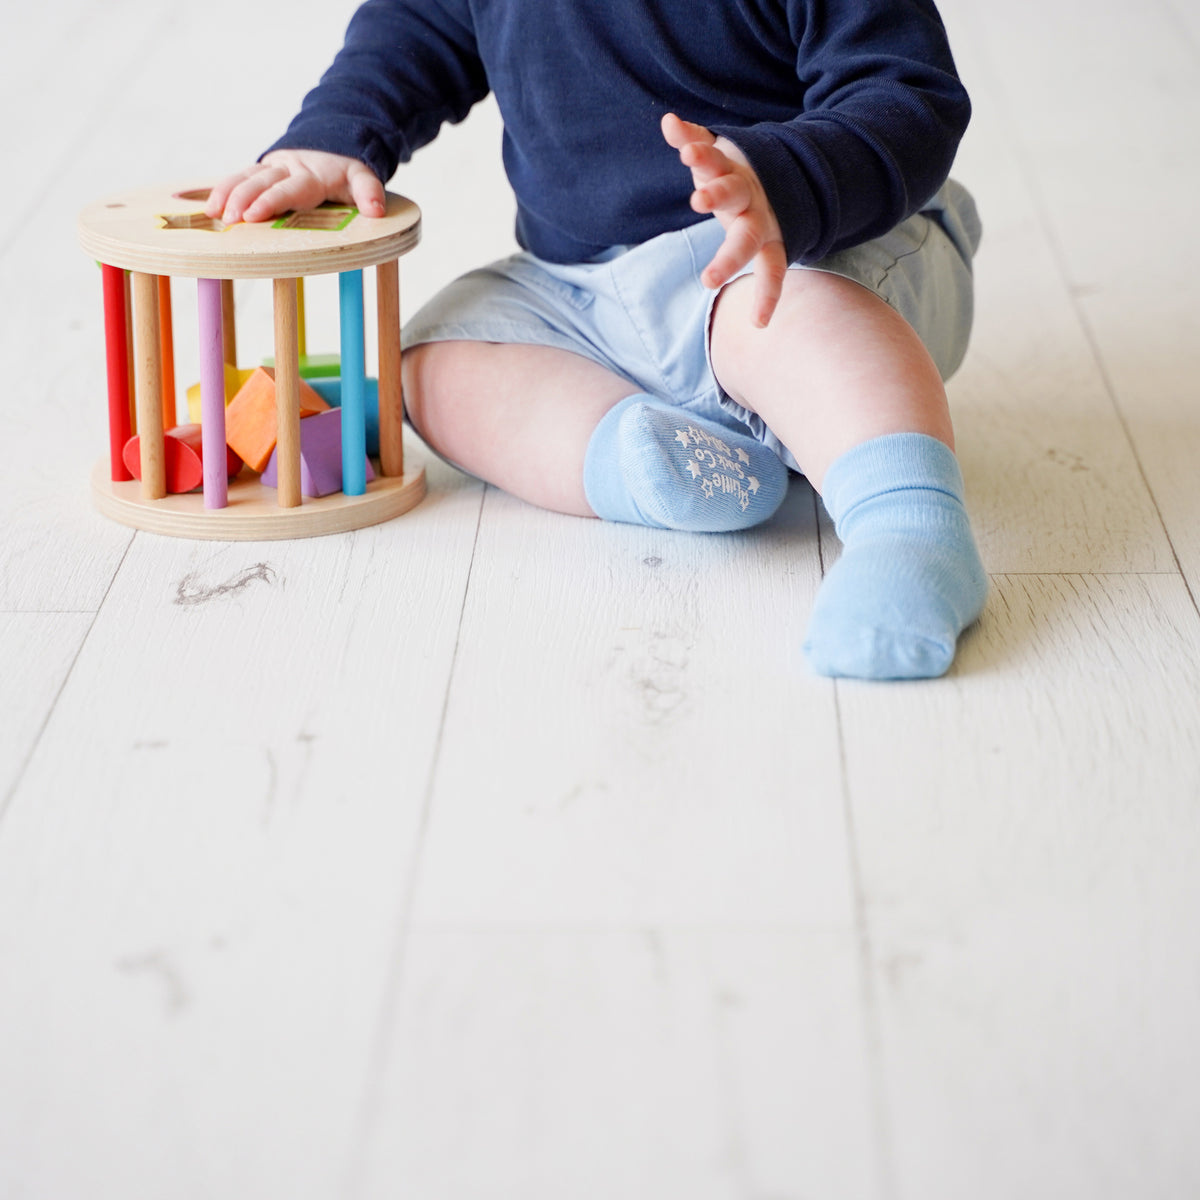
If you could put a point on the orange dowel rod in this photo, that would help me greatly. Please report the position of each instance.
(166, 339)
(116, 348)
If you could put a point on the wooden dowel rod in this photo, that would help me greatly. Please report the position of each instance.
(116, 352)
(148, 359)
(391, 393)
(166, 334)
(287, 393)
(212, 393)
(228, 323)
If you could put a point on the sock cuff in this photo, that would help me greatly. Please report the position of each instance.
(893, 462)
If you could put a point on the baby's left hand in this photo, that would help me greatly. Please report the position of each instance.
(727, 186)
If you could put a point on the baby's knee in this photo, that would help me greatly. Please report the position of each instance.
(434, 375)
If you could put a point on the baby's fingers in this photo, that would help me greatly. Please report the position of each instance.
(244, 201)
(366, 192)
(218, 197)
(725, 194)
(294, 191)
(739, 247)
(679, 133)
(770, 270)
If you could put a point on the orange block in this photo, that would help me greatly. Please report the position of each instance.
(251, 427)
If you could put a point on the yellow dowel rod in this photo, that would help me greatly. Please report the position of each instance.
(301, 333)
(228, 324)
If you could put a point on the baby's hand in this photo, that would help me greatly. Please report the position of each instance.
(295, 179)
(727, 186)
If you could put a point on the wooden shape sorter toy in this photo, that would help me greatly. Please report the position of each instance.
(142, 239)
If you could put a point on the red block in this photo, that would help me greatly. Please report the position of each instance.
(183, 451)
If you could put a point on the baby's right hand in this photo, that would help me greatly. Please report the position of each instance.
(295, 179)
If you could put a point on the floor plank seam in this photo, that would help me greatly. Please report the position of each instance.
(48, 612)
(10, 795)
(872, 1035)
(1178, 573)
(381, 1041)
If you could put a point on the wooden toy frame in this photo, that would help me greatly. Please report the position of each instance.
(144, 238)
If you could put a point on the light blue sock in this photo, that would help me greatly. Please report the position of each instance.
(909, 580)
(648, 463)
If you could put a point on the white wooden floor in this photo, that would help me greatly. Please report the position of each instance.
(495, 854)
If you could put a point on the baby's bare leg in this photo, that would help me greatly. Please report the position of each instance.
(560, 431)
(519, 417)
(847, 386)
(835, 368)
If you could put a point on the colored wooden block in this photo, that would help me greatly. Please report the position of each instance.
(315, 366)
(235, 377)
(330, 390)
(251, 425)
(183, 457)
(320, 456)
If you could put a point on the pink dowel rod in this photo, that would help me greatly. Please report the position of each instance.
(212, 393)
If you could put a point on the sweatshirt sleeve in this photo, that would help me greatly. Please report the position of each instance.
(883, 111)
(407, 67)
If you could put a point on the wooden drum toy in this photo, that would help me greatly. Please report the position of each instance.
(253, 470)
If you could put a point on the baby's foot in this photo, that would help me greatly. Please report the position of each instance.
(651, 464)
(909, 579)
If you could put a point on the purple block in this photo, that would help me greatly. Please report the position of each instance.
(320, 456)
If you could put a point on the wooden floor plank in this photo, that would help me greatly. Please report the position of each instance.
(638, 1063)
(1052, 481)
(1126, 237)
(631, 734)
(212, 844)
(1027, 831)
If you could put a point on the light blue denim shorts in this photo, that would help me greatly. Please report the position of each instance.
(642, 312)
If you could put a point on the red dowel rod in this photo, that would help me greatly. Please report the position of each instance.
(116, 345)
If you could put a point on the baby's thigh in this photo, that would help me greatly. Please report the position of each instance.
(923, 270)
(518, 416)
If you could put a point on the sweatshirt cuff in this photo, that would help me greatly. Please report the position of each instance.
(787, 189)
(349, 140)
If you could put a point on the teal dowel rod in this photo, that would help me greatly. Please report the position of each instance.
(354, 384)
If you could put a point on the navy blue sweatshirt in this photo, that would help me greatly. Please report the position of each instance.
(849, 110)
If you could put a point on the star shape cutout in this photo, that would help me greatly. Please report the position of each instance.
(694, 467)
(682, 438)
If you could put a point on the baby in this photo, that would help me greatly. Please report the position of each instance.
(740, 254)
